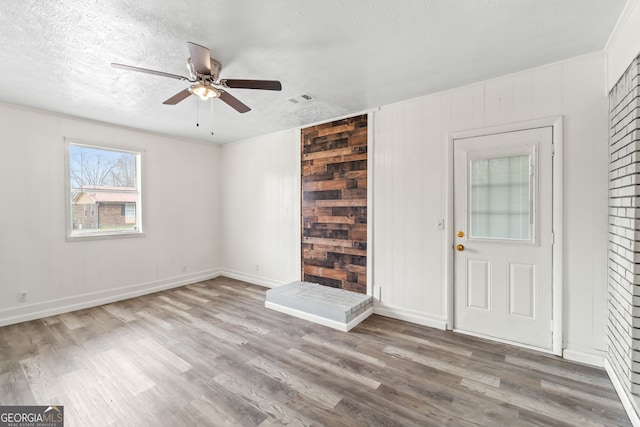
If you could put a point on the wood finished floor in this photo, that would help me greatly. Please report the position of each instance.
(211, 354)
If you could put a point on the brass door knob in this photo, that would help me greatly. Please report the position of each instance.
(460, 248)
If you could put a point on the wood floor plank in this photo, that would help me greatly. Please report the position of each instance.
(490, 380)
(334, 369)
(318, 393)
(203, 411)
(276, 412)
(40, 380)
(118, 365)
(550, 409)
(248, 325)
(72, 321)
(211, 354)
(120, 312)
(349, 353)
(201, 289)
(190, 295)
(420, 341)
(559, 371)
(169, 360)
(231, 403)
(154, 319)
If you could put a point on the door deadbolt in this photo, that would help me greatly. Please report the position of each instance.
(460, 234)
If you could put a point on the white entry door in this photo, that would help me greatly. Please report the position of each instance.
(503, 242)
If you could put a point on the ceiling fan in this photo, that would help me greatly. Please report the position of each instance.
(204, 73)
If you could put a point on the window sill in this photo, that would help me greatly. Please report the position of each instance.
(83, 237)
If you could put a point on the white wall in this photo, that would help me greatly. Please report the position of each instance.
(250, 226)
(623, 45)
(409, 155)
(261, 209)
(180, 218)
(410, 190)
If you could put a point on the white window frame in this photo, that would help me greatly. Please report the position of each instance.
(77, 235)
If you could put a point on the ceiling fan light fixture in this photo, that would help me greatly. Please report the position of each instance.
(204, 91)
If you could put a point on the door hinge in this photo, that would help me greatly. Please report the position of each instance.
(553, 238)
(551, 325)
(553, 150)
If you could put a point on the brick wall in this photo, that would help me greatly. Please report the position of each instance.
(110, 214)
(624, 230)
(82, 218)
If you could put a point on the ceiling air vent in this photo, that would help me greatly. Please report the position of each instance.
(305, 97)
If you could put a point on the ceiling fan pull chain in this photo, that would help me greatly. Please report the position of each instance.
(211, 103)
(197, 113)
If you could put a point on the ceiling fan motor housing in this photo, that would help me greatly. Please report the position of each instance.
(216, 67)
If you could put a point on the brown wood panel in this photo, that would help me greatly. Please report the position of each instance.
(341, 202)
(334, 204)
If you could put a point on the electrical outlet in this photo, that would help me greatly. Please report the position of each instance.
(184, 268)
(22, 297)
(440, 224)
(257, 267)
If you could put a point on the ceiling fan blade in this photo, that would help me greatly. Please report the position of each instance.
(145, 70)
(183, 94)
(252, 84)
(233, 102)
(200, 58)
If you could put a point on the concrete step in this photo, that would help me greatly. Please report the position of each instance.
(336, 308)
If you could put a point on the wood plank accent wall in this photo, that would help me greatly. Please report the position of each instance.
(334, 204)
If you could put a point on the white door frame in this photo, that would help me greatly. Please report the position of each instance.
(557, 213)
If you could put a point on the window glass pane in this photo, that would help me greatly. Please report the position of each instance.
(500, 198)
(104, 190)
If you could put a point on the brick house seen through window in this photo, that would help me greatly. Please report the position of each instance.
(104, 208)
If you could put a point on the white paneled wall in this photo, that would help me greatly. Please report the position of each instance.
(410, 170)
(260, 176)
(408, 199)
(623, 45)
(236, 208)
(180, 211)
(261, 209)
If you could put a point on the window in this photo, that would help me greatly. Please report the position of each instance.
(104, 191)
(501, 198)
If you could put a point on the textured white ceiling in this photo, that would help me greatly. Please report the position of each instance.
(351, 55)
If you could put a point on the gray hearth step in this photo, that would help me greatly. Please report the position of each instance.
(336, 308)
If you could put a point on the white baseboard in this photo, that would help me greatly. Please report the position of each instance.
(319, 320)
(413, 316)
(250, 278)
(596, 360)
(26, 312)
(622, 394)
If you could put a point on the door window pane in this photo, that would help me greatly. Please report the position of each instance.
(500, 198)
